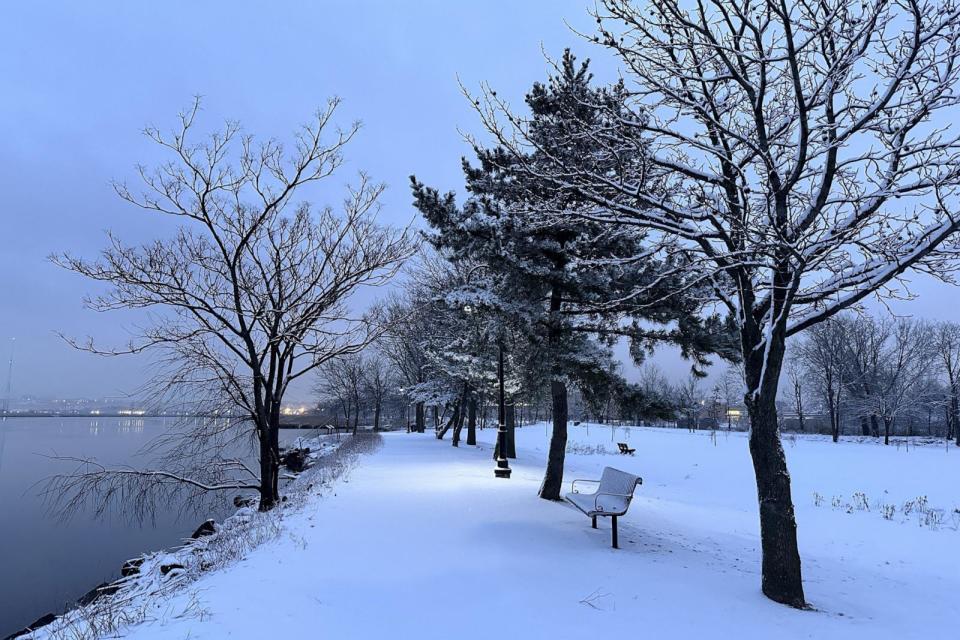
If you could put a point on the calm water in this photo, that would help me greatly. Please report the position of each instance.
(46, 563)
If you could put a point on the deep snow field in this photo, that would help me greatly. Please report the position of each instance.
(420, 540)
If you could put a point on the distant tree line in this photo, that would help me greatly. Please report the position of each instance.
(875, 376)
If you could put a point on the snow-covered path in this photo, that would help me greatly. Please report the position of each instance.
(422, 541)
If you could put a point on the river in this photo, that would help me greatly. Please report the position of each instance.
(47, 563)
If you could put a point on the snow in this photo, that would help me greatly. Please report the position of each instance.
(420, 540)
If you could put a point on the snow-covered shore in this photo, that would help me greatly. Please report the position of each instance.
(422, 541)
(153, 578)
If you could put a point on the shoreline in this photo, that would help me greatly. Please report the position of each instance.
(155, 574)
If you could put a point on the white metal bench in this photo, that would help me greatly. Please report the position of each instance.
(611, 499)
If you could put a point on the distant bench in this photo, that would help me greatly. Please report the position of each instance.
(624, 449)
(611, 499)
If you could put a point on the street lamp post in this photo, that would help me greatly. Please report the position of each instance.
(503, 466)
(502, 469)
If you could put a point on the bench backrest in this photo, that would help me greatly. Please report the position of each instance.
(616, 481)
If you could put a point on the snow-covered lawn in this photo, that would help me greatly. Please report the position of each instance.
(422, 541)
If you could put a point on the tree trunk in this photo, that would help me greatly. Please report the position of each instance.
(440, 432)
(376, 416)
(356, 415)
(511, 431)
(269, 434)
(834, 423)
(886, 429)
(864, 427)
(874, 426)
(782, 579)
(553, 479)
(454, 422)
(458, 415)
(472, 422)
(421, 418)
(955, 413)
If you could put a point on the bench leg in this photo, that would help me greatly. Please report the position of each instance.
(593, 522)
(614, 532)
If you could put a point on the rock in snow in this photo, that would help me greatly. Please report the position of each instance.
(208, 528)
(42, 621)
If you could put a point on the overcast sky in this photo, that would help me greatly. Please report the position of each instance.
(80, 80)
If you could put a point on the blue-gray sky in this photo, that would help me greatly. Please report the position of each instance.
(80, 80)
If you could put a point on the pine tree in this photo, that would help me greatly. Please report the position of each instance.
(563, 282)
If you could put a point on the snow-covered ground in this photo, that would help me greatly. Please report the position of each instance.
(420, 540)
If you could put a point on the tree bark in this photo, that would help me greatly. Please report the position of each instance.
(421, 419)
(763, 351)
(269, 435)
(954, 413)
(356, 415)
(511, 430)
(782, 580)
(458, 415)
(834, 423)
(472, 422)
(553, 478)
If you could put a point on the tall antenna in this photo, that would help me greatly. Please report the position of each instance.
(6, 397)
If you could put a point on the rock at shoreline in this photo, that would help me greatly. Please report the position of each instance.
(295, 459)
(208, 528)
(131, 567)
(33, 626)
(173, 566)
(243, 501)
(102, 589)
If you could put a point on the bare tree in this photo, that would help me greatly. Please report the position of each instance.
(690, 401)
(907, 361)
(887, 363)
(947, 345)
(796, 376)
(821, 353)
(865, 339)
(341, 381)
(377, 377)
(731, 390)
(803, 158)
(252, 291)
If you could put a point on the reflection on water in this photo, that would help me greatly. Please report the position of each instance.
(130, 425)
(3, 442)
(45, 562)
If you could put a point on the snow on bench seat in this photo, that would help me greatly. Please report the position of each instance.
(610, 499)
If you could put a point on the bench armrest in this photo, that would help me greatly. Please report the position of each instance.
(573, 485)
(596, 499)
